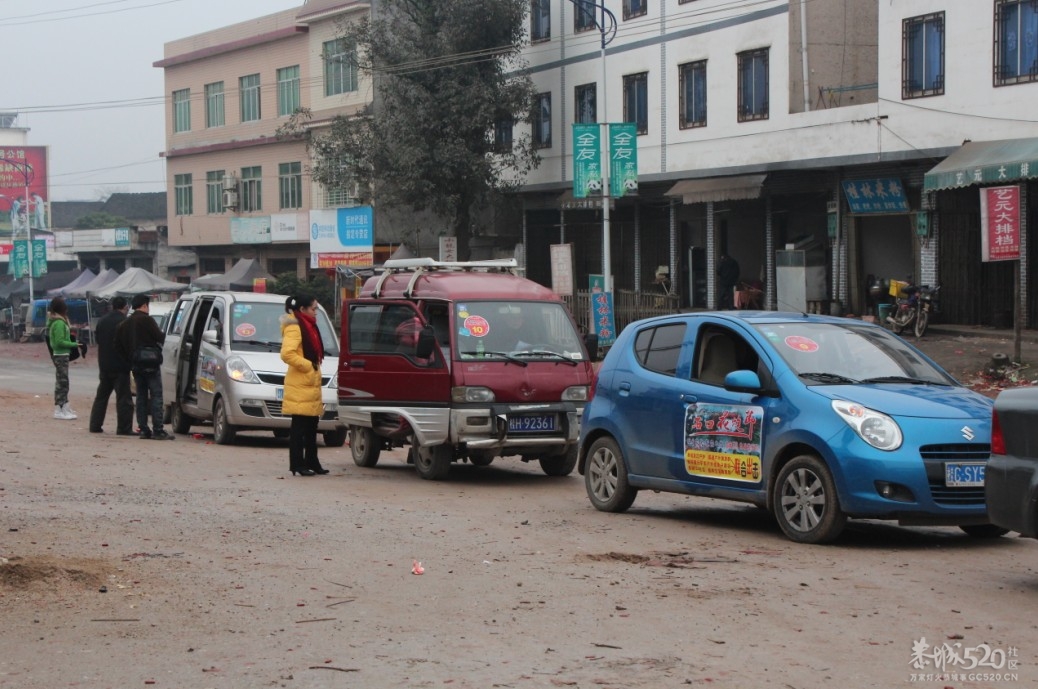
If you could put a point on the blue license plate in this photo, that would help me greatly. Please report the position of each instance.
(532, 423)
(963, 475)
(279, 394)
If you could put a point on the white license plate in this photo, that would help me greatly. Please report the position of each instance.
(279, 394)
(531, 423)
(963, 474)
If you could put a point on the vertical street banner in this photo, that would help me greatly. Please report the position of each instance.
(1000, 223)
(23, 259)
(562, 269)
(602, 322)
(587, 160)
(623, 159)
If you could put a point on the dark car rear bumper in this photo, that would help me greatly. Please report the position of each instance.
(1011, 492)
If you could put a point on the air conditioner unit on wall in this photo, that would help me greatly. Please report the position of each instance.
(230, 199)
(355, 190)
(230, 182)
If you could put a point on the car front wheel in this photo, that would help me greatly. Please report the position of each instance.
(223, 432)
(805, 501)
(605, 477)
(433, 462)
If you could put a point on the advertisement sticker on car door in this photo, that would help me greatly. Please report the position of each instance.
(723, 441)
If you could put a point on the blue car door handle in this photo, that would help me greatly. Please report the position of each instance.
(625, 389)
(691, 399)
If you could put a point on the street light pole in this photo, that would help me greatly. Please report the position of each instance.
(605, 22)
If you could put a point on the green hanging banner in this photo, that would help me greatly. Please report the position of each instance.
(587, 160)
(623, 159)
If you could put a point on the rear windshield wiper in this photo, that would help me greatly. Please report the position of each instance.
(483, 355)
(545, 352)
(902, 379)
(831, 378)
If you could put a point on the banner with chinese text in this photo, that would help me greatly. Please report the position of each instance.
(1000, 223)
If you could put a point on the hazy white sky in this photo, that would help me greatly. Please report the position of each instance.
(80, 74)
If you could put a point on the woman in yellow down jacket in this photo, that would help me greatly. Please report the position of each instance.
(302, 350)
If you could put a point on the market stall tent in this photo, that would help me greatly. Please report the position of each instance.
(240, 278)
(137, 281)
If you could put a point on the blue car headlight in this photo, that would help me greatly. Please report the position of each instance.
(878, 430)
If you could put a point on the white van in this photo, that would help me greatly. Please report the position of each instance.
(222, 365)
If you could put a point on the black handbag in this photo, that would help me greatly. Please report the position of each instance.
(147, 357)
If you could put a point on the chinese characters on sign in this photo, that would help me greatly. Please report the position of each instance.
(623, 159)
(562, 269)
(1000, 223)
(602, 323)
(342, 237)
(875, 196)
(20, 261)
(587, 166)
(723, 441)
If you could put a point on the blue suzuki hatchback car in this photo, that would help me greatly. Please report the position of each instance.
(816, 419)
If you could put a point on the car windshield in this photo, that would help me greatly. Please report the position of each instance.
(840, 354)
(256, 326)
(516, 331)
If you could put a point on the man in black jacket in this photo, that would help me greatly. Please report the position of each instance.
(136, 337)
(113, 374)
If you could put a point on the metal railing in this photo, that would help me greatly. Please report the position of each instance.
(628, 306)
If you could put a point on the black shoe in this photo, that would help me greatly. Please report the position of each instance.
(302, 472)
(162, 435)
(133, 433)
(319, 470)
(145, 434)
(97, 430)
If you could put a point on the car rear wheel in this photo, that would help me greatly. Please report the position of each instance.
(223, 432)
(805, 501)
(336, 438)
(180, 421)
(364, 446)
(433, 462)
(605, 477)
(560, 465)
(983, 530)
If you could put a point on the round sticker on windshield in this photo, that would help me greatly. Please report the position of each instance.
(801, 343)
(477, 326)
(245, 330)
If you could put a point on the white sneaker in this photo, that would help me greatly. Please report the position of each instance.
(69, 414)
(59, 413)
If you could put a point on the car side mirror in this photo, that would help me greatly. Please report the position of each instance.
(426, 342)
(212, 337)
(591, 343)
(743, 381)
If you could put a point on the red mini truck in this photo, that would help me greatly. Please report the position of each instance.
(463, 362)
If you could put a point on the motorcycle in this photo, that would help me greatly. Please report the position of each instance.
(914, 308)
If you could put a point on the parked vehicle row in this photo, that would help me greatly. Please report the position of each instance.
(815, 419)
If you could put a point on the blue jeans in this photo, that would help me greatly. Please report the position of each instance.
(149, 399)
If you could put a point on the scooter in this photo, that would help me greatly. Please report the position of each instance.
(915, 308)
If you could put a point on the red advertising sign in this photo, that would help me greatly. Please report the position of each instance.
(1000, 223)
(21, 167)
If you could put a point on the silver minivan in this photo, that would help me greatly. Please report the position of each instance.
(222, 365)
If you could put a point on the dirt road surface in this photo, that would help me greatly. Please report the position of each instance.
(131, 563)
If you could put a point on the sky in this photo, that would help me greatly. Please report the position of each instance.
(80, 75)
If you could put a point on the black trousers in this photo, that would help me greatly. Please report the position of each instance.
(119, 383)
(302, 444)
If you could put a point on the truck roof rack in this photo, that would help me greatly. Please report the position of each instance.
(426, 265)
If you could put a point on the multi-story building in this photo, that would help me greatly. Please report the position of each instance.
(763, 125)
(777, 131)
(236, 188)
